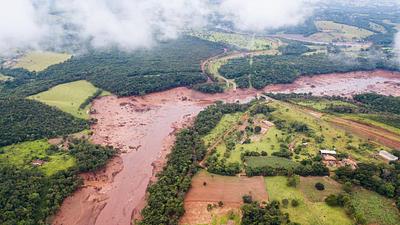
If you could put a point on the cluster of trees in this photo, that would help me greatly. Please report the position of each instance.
(380, 103)
(269, 214)
(383, 179)
(170, 64)
(222, 166)
(210, 88)
(28, 196)
(90, 157)
(23, 120)
(210, 117)
(305, 168)
(267, 70)
(165, 200)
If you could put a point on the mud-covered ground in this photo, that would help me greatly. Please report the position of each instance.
(343, 84)
(143, 128)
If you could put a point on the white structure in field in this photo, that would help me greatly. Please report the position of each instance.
(389, 157)
(327, 152)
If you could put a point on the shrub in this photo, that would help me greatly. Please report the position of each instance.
(320, 186)
(295, 203)
(247, 199)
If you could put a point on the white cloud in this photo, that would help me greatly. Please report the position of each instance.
(132, 24)
(19, 25)
(258, 15)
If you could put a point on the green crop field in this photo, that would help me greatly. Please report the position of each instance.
(38, 61)
(308, 212)
(22, 155)
(68, 97)
(375, 208)
(321, 104)
(331, 31)
(272, 161)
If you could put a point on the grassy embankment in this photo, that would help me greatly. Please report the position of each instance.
(68, 97)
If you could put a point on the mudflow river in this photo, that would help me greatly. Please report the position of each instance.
(143, 129)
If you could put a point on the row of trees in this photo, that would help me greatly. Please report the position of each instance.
(383, 179)
(380, 103)
(23, 120)
(28, 196)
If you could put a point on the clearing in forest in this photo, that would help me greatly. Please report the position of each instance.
(69, 97)
(38, 61)
(35, 154)
(331, 31)
(209, 189)
(312, 209)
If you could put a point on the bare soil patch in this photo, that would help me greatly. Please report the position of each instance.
(210, 189)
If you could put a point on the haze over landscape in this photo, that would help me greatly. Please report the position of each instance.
(220, 112)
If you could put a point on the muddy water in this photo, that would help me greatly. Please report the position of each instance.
(143, 129)
(346, 84)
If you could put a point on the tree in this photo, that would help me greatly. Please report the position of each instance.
(320, 186)
(293, 181)
(257, 129)
(247, 199)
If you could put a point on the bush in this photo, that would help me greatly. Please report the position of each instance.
(247, 199)
(293, 181)
(295, 203)
(320, 186)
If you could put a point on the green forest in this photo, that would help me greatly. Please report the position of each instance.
(261, 71)
(168, 65)
(28, 196)
(24, 120)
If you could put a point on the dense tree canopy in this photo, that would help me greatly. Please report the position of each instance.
(167, 65)
(23, 120)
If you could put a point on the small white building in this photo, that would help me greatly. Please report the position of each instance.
(387, 156)
(327, 152)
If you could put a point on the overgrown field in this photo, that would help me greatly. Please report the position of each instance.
(38, 61)
(69, 97)
(309, 211)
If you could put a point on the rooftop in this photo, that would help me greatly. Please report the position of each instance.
(388, 156)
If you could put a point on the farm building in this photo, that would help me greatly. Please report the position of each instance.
(387, 156)
(327, 152)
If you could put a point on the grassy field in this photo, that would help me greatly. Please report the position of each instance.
(321, 104)
(241, 41)
(331, 31)
(375, 208)
(309, 212)
(38, 61)
(272, 161)
(68, 97)
(224, 125)
(22, 155)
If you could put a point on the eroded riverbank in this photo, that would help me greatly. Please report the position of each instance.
(143, 129)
